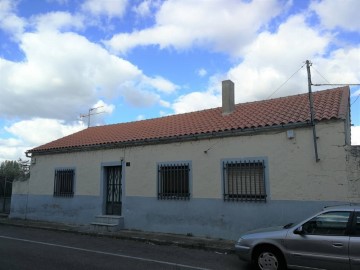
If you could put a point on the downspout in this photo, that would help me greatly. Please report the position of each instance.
(308, 64)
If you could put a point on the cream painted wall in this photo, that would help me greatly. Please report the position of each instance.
(353, 171)
(87, 167)
(293, 172)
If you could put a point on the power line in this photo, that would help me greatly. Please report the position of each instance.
(320, 74)
(355, 100)
(333, 84)
(286, 81)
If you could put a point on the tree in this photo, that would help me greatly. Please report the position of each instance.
(14, 170)
(9, 172)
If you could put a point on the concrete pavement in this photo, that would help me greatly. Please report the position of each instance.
(217, 245)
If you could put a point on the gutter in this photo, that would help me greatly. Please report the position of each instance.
(166, 140)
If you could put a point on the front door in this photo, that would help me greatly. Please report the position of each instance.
(113, 190)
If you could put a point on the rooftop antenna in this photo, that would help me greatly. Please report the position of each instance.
(90, 113)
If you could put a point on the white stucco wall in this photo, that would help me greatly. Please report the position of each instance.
(353, 172)
(293, 172)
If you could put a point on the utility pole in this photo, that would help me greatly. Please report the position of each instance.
(89, 114)
(308, 64)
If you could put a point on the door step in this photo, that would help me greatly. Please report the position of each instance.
(4, 215)
(107, 223)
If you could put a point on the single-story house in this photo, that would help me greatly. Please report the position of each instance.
(216, 172)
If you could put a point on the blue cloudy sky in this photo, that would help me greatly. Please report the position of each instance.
(149, 58)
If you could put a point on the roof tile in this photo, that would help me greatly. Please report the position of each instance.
(328, 104)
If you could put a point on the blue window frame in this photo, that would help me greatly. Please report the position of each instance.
(174, 180)
(64, 182)
(244, 180)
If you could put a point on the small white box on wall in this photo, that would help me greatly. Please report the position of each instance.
(290, 134)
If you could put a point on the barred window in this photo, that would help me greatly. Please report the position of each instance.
(244, 180)
(173, 181)
(64, 183)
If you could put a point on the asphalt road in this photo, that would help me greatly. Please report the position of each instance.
(26, 248)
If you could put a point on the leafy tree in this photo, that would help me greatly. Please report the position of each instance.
(11, 170)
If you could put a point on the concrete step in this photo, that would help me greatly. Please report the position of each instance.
(107, 223)
(109, 219)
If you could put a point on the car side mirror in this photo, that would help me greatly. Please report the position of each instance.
(299, 230)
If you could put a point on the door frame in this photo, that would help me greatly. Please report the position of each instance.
(103, 183)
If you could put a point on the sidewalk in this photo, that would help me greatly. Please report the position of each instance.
(216, 245)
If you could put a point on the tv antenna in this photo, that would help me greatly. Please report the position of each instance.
(90, 113)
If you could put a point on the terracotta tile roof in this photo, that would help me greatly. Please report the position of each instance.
(328, 104)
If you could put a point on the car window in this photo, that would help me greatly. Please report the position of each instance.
(330, 223)
(357, 225)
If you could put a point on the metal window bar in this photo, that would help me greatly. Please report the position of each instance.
(244, 180)
(64, 183)
(173, 181)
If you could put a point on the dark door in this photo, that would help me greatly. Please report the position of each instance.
(5, 195)
(113, 190)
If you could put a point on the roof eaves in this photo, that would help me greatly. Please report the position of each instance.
(344, 103)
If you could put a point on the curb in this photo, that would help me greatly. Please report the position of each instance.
(191, 243)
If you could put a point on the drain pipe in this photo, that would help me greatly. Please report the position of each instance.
(308, 64)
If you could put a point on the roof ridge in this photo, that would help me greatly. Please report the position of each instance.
(217, 108)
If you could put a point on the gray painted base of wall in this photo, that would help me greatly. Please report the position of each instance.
(201, 217)
(77, 210)
(214, 218)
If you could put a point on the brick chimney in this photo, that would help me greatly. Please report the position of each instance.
(228, 97)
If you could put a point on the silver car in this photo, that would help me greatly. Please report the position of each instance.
(327, 240)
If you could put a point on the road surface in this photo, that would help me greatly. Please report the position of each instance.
(27, 248)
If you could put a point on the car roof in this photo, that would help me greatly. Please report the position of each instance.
(343, 207)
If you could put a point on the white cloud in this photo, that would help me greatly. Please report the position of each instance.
(338, 13)
(42, 131)
(9, 21)
(165, 104)
(103, 107)
(272, 59)
(11, 149)
(202, 72)
(95, 116)
(58, 21)
(109, 8)
(160, 84)
(138, 97)
(60, 2)
(355, 135)
(268, 62)
(196, 101)
(140, 117)
(341, 66)
(68, 74)
(143, 9)
(182, 24)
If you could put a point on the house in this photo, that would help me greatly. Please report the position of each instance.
(216, 172)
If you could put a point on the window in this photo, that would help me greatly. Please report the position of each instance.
(244, 180)
(331, 223)
(357, 224)
(173, 181)
(64, 183)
